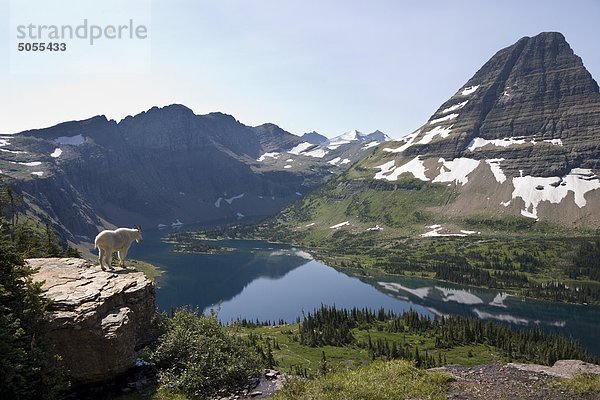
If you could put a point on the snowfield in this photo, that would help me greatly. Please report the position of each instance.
(300, 148)
(455, 107)
(443, 119)
(442, 131)
(468, 90)
(553, 189)
(456, 170)
(345, 223)
(494, 164)
(274, 155)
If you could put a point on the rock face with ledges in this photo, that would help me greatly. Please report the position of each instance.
(97, 319)
(536, 89)
(521, 137)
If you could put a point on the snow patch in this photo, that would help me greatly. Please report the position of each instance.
(37, 173)
(345, 161)
(300, 148)
(4, 142)
(391, 173)
(13, 151)
(369, 145)
(289, 160)
(442, 119)
(311, 224)
(455, 107)
(71, 140)
(494, 164)
(554, 189)
(274, 155)
(468, 232)
(56, 153)
(556, 142)
(287, 166)
(231, 199)
(408, 142)
(177, 223)
(375, 228)
(505, 142)
(468, 90)
(437, 131)
(345, 223)
(435, 232)
(162, 226)
(385, 169)
(456, 170)
(334, 161)
(240, 215)
(31, 164)
(218, 202)
(316, 153)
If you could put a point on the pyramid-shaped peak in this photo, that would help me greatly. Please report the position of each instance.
(536, 90)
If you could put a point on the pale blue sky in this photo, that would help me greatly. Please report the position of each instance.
(329, 66)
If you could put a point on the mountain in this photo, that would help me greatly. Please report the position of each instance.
(519, 140)
(162, 167)
(315, 138)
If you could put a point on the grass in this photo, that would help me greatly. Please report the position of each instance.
(292, 354)
(583, 384)
(377, 381)
(151, 271)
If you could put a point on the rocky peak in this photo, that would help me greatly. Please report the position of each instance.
(97, 319)
(520, 137)
(536, 91)
(273, 138)
(315, 138)
(377, 136)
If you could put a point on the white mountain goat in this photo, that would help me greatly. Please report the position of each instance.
(118, 240)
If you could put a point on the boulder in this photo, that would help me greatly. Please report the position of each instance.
(97, 319)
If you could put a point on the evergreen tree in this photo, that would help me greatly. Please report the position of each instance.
(28, 369)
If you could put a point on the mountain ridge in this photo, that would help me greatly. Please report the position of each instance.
(162, 166)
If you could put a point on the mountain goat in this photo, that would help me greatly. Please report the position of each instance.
(119, 240)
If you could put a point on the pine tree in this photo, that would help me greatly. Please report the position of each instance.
(28, 370)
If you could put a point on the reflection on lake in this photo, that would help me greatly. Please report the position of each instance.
(265, 281)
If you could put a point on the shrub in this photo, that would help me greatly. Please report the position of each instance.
(198, 357)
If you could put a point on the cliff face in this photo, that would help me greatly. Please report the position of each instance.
(97, 319)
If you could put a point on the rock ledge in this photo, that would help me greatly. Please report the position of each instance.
(98, 318)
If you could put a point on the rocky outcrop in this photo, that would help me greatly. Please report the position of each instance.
(516, 381)
(97, 319)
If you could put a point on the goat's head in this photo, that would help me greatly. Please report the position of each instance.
(138, 237)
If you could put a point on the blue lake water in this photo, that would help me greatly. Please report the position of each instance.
(265, 281)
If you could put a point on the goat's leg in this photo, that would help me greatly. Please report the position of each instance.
(123, 255)
(108, 259)
(121, 258)
(101, 257)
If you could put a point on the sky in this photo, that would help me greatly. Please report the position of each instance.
(329, 66)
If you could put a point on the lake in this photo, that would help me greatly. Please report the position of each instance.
(266, 281)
